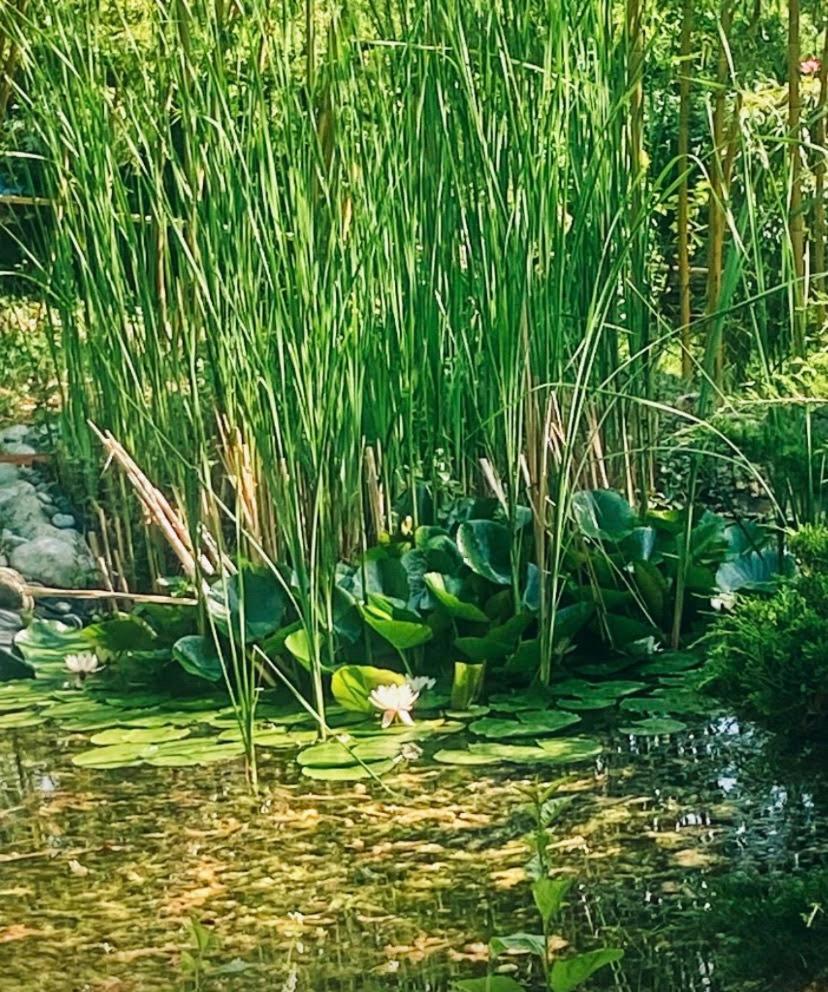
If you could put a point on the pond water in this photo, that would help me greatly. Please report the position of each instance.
(318, 886)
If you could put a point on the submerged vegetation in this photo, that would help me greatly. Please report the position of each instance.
(443, 390)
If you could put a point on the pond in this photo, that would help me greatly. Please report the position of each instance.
(351, 886)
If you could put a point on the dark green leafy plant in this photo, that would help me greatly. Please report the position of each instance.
(768, 660)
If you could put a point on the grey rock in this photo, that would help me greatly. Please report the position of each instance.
(44, 497)
(63, 521)
(12, 540)
(53, 561)
(10, 620)
(61, 606)
(8, 473)
(16, 432)
(13, 592)
(4, 561)
(18, 448)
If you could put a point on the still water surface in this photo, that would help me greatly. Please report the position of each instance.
(349, 887)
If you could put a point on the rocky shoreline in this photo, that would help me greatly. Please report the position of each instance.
(41, 539)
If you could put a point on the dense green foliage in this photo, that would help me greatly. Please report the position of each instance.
(768, 660)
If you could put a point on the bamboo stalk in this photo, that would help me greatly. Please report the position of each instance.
(819, 231)
(796, 220)
(685, 300)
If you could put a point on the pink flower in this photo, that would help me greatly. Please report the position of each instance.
(810, 67)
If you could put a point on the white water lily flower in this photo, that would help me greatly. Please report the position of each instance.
(395, 701)
(419, 683)
(83, 664)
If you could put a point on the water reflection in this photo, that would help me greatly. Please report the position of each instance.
(349, 888)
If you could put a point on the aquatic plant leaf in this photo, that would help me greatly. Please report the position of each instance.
(603, 514)
(549, 894)
(491, 983)
(569, 973)
(497, 643)
(297, 643)
(530, 723)
(608, 689)
(518, 943)
(467, 684)
(198, 656)
(402, 634)
(653, 726)
(447, 591)
(122, 633)
(754, 570)
(351, 685)
(333, 754)
(139, 735)
(20, 719)
(653, 588)
(22, 694)
(45, 644)
(456, 756)
(514, 702)
(201, 751)
(486, 548)
(591, 703)
(113, 756)
(254, 597)
(570, 748)
(349, 773)
(670, 663)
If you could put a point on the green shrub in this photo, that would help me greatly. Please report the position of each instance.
(769, 929)
(769, 658)
(810, 545)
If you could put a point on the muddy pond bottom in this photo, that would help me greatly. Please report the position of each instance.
(105, 874)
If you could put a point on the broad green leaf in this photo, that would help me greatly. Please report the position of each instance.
(518, 943)
(567, 749)
(456, 756)
(351, 685)
(603, 514)
(20, 720)
(333, 754)
(754, 570)
(114, 756)
(253, 601)
(467, 684)
(492, 983)
(486, 549)
(653, 588)
(549, 894)
(402, 634)
(122, 633)
(530, 723)
(653, 727)
(497, 643)
(446, 590)
(297, 643)
(198, 656)
(139, 735)
(569, 973)
(349, 773)
(45, 644)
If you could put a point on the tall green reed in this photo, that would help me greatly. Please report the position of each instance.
(404, 235)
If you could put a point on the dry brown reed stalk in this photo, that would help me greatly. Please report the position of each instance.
(161, 513)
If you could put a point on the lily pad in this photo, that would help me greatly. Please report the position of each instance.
(20, 719)
(653, 727)
(139, 735)
(349, 773)
(530, 723)
(452, 756)
(202, 751)
(114, 756)
(333, 754)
